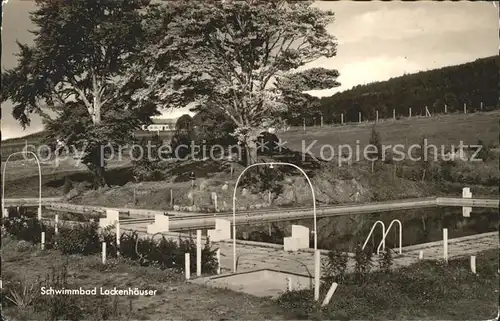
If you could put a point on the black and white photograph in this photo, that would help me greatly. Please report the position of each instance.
(250, 160)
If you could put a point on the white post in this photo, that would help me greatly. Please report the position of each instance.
(394, 114)
(342, 119)
(473, 264)
(39, 213)
(198, 252)
(216, 206)
(465, 108)
(5, 212)
(445, 244)
(329, 295)
(481, 106)
(218, 261)
(171, 199)
(376, 112)
(289, 281)
(359, 117)
(321, 120)
(103, 252)
(409, 112)
(445, 109)
(43, 240)
(117, 238)
(421, 255)
(56, 227)
(269, 197)
(304, 124)
(187, 266)
(317, 273)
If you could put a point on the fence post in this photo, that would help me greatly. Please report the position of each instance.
(473, 264)
(359, 117)
(376, 118)
(329, 295)
(481, 106)
(103, 252)
(218, 261)
(187, 266)
(465, 108)
(409, 112)
(445, 109)
(445, 244)
(394, 114)
(117, 238)
(342, 119)
(43, 240)
(198, 252)
(56, 226)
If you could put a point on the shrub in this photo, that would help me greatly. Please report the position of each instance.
(364, 262)
(386, 260)
(298, 302)
(79, 239)
(336, 266)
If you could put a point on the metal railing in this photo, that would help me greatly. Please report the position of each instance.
(387, 232)
(371, 232)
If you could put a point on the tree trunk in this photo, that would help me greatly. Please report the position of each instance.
(251, 153)
(97, 167)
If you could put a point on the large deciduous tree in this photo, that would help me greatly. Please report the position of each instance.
(74, 74)
(234, 54)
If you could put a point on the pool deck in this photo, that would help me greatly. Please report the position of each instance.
(257, 255)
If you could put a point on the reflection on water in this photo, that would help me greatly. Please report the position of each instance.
(345, 232)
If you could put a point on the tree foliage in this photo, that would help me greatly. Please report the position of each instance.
(74, 74)
(231, 55)
(470, 83)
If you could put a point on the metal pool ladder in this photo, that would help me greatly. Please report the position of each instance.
(371, 232)
(387, 232)
(384, 235)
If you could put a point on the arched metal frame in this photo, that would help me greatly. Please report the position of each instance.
(371, 232)
(316, 277)
(387, 232)
(39, 182)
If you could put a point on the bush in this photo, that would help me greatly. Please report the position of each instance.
(86, 239)
(336, 266)
(386, 260)
(363, 264)
(80, 239)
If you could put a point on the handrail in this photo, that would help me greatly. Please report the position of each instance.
(371, 232)
(387, 232)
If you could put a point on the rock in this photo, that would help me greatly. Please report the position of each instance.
(225, 187)
(72, 194)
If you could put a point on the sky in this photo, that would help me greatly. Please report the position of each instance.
(376, 41)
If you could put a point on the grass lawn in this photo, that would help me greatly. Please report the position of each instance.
(175, 299)
(424, 291)
(439, 130)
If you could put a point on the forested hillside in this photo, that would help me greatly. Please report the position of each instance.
(470, 83)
